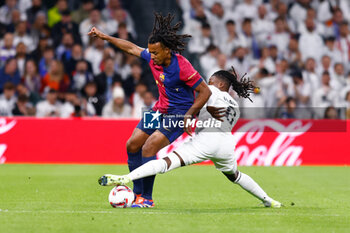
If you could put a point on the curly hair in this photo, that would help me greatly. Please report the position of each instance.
(242, 87)
(164, 33)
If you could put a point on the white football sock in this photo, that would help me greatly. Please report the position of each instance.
(154, 167)
(148, 169)
(248, 184)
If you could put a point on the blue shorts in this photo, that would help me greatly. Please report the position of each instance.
(171, 132)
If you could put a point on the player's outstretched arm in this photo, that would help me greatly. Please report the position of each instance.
(203, 95)
(124, 45)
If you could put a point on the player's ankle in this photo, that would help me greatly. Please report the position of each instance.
(146, 197)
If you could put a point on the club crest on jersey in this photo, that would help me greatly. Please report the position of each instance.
(161, 77)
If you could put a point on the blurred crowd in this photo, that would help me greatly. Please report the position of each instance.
(50, 67)
(297, 52)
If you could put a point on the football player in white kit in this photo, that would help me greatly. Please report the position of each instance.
(215, 144)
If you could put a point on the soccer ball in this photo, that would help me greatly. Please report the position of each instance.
(121, 197)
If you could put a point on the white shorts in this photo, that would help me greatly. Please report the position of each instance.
(217, 147)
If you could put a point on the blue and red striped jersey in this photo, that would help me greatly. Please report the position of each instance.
(176, 83)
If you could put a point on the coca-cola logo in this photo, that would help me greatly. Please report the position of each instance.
(4, 128)
(281, 151)
(251, 151)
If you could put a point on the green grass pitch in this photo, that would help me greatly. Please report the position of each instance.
(67, 198)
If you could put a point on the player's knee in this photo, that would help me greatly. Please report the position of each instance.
(168, 162)
(147, 150)
(132, 146)
(171, 162)
(236, 175)
(232, 176)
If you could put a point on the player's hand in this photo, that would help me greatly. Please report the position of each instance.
(187, 124)
(94, 32)
(217, 113)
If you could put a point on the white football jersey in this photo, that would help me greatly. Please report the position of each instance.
(219, 99)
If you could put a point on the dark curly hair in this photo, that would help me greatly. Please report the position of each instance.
(164, 33)
(242, 87)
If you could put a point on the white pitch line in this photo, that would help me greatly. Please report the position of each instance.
(160, 212)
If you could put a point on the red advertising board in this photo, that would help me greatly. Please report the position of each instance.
(102, 141)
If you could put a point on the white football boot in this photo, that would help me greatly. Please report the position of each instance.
(113, 180)
(272, 204)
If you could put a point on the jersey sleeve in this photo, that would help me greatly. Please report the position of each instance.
(213, 97)
(188, 74)
(145, 55)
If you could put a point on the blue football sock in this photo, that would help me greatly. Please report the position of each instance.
(148, 181)
(134, 161)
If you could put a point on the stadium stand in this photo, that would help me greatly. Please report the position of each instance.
(297, 52)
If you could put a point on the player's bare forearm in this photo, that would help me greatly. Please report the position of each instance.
(203, 95)
(124, 45)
